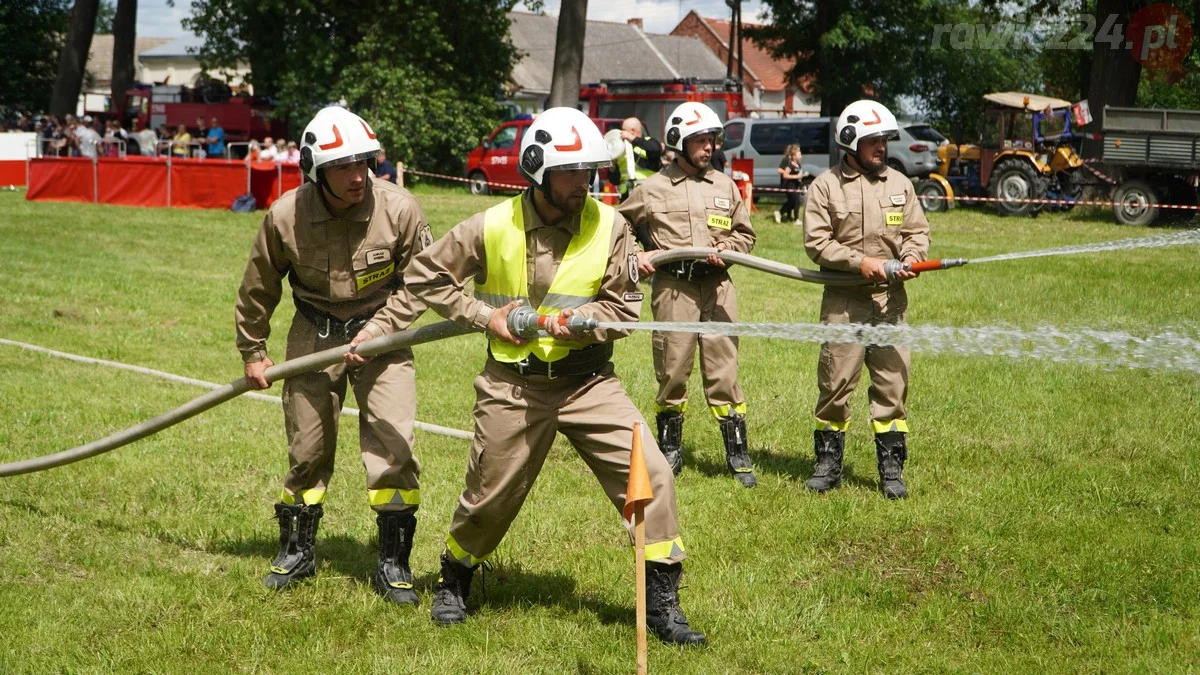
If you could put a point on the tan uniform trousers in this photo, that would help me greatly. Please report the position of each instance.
(385, 389)
(712, 299)
(840, 365)
(516, 420)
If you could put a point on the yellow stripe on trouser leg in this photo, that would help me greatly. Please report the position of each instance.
(884, 426)
(665, 550)
(310, 497)
(678, 407)
(720, 411)
(460, 554)
(822, 425)
(394, 496)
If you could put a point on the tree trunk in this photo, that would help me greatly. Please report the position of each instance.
(568, 54)
(124, 34)
(1114, 75)
(74, 58)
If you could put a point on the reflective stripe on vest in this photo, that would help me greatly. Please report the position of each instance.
(575, 284)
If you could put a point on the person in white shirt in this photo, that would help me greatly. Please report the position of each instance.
(268, 152)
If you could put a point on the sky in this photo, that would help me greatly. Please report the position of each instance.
(156, 19)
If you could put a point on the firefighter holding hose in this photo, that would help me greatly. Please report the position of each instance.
(554, 248)
(691, 204)
(863, 217)
(343, 242)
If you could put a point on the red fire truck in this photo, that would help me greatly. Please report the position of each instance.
(652, 100)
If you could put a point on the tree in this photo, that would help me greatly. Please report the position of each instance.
(71, 64)
(32, 34)
(854, 48)
(425, 75)
(106, 14)
(568, 54)
(124, 27)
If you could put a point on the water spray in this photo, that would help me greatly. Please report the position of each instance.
(1171, 351)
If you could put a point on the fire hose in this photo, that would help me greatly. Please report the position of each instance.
(828, 278)
(524, 322)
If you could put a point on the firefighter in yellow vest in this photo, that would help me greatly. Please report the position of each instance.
(860, 214)
(342, 240)
(691, 204)
(642, 157)
(557, 249)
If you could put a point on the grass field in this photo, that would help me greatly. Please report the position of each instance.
(1052, 525)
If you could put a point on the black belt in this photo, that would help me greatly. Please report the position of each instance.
(587, 361)
(691, 270)
(329, 324)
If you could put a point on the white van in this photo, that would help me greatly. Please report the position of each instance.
(764, 140)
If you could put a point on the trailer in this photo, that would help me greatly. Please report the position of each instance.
(1154, 158)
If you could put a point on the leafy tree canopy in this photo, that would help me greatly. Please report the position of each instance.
(425, 74)
(32, 32)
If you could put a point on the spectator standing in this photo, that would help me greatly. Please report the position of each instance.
(293, 154)
(268, 153)
(215, 140)
(182, 142)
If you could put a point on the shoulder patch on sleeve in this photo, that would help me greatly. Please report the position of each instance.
(425, 236)
(633, 267)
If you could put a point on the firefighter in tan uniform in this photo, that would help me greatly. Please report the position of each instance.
(343, 241)
(863, 217)
(556, 249)
(690, 204)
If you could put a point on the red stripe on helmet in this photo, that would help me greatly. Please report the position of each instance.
(337, 140)
(691, 122)
(577, 145)
(874, 121)
(367, 129)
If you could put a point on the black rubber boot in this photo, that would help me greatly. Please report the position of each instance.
(393, 579)
(670, 438)
(297, 557)
(664, 616)
(829, 447)
(891, 451)
(737, 449)
(450, 593)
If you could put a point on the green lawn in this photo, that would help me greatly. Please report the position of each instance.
(1052, 525)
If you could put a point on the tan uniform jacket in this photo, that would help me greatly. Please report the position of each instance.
(850, 215)
(440, 274)
(346, 266)
(672, 210)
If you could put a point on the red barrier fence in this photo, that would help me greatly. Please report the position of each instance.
(158, 181)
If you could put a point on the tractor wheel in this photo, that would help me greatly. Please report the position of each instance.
(1016, 179)
(1136, 203)
(932, 196)
(479, 184)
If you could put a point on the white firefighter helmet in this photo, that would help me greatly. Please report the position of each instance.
(690, 119)
(562, 138)
(864, 119)
(336, 136)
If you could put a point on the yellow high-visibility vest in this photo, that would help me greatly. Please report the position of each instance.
(575, 284)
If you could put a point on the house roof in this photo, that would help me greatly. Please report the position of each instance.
(99, 62)
(612, 51)
(773, 73)
(188, 45)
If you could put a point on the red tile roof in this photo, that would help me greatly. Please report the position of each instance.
(772, 72)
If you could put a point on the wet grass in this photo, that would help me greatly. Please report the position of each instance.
(1051, 528)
